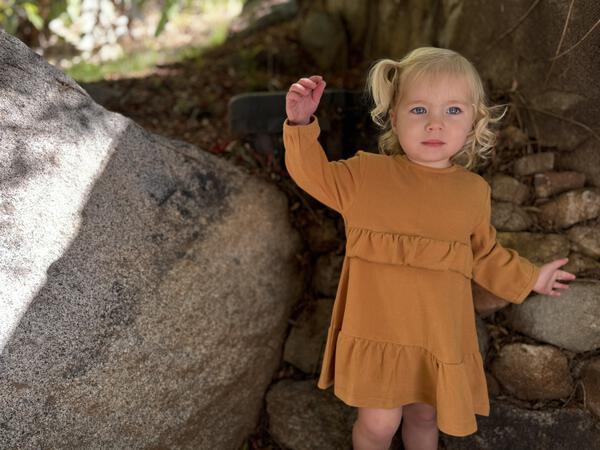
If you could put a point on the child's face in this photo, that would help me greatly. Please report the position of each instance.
(433, 109)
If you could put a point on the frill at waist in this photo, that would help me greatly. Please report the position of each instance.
(410, 250)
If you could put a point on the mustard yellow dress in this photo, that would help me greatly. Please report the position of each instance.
(402, 328)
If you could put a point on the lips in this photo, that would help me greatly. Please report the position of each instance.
(434, 142)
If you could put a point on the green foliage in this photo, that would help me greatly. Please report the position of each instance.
(87, 72)
(15, 12)
(169, 10)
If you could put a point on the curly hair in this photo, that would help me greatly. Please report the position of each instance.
(385, 84)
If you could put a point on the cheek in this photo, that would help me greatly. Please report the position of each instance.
(461, 127)
(408, 126)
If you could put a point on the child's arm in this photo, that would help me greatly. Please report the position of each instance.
(500, 270)
(334, 183)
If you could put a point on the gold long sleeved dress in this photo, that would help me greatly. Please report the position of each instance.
(403, 328)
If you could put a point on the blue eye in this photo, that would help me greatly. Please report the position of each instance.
(456, 109)
(418, 107)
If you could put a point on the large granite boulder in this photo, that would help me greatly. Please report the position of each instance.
(139, 305)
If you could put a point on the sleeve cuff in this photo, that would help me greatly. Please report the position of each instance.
(535, 272)
(311, 129)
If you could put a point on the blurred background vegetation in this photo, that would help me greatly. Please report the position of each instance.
(90, 39)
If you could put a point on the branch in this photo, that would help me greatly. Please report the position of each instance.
(577, 43)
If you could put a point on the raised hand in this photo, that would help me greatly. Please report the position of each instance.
(549, 278)
(302, 99)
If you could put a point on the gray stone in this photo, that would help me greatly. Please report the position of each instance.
(533, 372)
(139, 307)
(571, 321)
(585, 159)
(537, 247)
(570, 208)
(511, 427)
(551, 183)
(305, 417)
(326, 274)
(257, 15)
(508, 189)
(306, 342)
(582, 266)
(590, 379)
(494, 388)
(507, 216)
(585, 239)
(322, 235)
(535, 163)
(557, 100)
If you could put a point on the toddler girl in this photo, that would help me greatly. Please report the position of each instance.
(402, 339)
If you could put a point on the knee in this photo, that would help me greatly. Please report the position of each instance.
(379, 427)
(423, 415)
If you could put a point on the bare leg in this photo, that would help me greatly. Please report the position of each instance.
(375, 428)
(420, 431)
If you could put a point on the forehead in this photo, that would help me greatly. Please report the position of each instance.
(436, 88)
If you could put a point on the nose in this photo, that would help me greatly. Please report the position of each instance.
(434, 124)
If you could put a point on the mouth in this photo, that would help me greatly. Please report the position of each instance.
(433, 143)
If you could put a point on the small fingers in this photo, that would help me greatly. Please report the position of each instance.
(564, 275)
(292, 95)
(304, 86)
(559, 262)
(299, 89)
(559, 286)
(308, 82)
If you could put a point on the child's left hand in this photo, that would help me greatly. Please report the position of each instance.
(549, 278)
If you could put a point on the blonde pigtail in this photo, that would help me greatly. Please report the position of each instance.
(381, 84)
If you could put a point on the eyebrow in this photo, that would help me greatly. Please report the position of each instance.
(460, 102)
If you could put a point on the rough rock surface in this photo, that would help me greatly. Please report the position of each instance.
(304, 417)
(571, 321)
(533, 372)
(511, 427)
(138, 303)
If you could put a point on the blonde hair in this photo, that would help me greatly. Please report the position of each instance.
(385, 84)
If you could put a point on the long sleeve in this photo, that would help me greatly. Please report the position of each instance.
(334, 183)
(500, 270)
